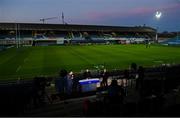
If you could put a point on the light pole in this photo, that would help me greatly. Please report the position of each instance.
(156, 40)
(158, 16)
(16, 29)
(19, 42)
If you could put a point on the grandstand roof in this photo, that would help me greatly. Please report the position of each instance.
(74, 27)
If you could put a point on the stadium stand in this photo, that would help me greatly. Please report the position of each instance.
(63, 33)
(172, 41)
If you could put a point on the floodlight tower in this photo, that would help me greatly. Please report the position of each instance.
(63, 22)
(158, 16)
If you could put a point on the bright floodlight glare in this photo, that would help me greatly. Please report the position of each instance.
(158, 14)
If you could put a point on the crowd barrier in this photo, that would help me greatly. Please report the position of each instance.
(17, 96)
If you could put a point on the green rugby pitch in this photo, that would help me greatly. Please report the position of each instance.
(27, 62)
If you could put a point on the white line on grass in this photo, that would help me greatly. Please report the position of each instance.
(18, 68)
(25, 59)
(158, 61)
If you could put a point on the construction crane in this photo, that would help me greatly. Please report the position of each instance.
(44, 19)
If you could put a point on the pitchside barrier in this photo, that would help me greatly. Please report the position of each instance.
(19, 96)
(161, 79)
(167, 73)
(159, 72)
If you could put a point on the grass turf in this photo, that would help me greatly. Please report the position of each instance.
(27, 62)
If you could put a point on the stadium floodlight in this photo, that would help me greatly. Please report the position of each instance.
(158, 16)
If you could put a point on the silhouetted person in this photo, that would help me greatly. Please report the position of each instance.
(126, 81)
(39, 84)
(87, 74)
(149, 44)
(86, 104)
(70, 82)
(133, 72)
(105, 76)
(146, 43)
(140, 79)
(75, 86)
(133, 66)
(115, 92)
(126, 74)
(61, 83)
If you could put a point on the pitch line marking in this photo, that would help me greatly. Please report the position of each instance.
(158, 61)
(25, 59)
(18, 68)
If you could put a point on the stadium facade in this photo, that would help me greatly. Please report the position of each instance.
(51, 34)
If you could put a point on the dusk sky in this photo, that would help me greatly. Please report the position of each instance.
(95, 12)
